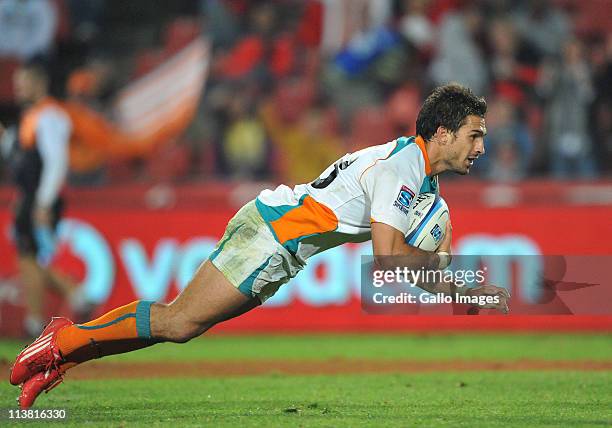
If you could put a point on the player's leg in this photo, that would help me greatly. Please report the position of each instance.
(221, 288)
(70, 292)
(247, 266)
(33, 279)
(164, 327)
(208, 299)
(64, 284)
(60, 283)
(31, 275)
(211, 297)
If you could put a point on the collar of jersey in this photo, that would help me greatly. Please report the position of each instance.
(421, 143)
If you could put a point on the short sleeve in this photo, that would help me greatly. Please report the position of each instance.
(390, 194)
(52, 139)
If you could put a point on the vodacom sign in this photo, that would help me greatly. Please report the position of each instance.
(331, 278)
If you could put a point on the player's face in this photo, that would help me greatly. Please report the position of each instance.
(466, 145)
(22, 82)
(25, 84)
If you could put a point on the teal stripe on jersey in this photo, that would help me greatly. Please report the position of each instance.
(402, 142)
(246, 287)
(292, 244)
(430, 185)
(273, 213)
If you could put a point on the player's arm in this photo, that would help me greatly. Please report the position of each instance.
(52, 140)
(390, 188)
(388, 241)
(391, 250)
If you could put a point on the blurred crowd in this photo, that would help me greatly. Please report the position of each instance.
(295, 84)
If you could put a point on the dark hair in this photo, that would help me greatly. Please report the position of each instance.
(448, 106)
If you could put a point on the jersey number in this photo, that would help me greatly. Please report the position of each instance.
(323, 182)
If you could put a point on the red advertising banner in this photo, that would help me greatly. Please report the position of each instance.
(120, 255)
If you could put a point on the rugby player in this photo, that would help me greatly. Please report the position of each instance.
(364, 195)
(38, 154)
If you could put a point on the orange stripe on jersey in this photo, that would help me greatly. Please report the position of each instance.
(309, 218)
(421, 143)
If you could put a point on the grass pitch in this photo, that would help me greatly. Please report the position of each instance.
(471, 398)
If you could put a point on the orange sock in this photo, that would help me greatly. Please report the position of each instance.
(131, 321)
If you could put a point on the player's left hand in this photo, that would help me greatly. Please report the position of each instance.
(447, 241)
(492, 290)
(42, 216)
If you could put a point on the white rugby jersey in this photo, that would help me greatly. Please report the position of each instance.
(375, 184)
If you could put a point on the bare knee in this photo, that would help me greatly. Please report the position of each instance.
(173, 326)
(182, 330)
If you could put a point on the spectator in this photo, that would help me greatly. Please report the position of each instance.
(416, 26)
(543, 25)
(221, 23)
(244, 142)
(252, 55)
(511, 60)
(330, 24)
(27, 27)
(91, 84)
(307, 138)
(370, 58)
(602, 105)
(568, 89)
(509, 143)
(459, 58)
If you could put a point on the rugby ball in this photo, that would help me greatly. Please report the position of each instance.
(428, 215)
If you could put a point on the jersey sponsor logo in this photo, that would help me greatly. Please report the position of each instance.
(402, 202)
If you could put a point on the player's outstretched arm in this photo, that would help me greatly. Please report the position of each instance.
(391, 251)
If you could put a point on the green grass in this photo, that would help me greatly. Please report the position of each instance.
(321, 347)
(486, 399)
(470, 399)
